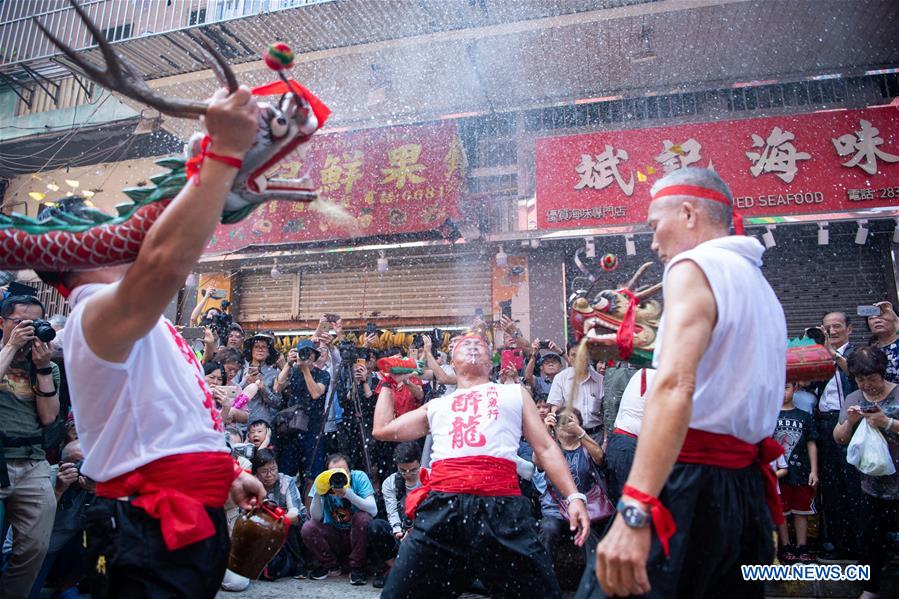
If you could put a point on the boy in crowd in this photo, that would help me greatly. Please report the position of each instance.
(796, 433)
(259, 434)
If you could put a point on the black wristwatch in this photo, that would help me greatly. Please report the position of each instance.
(46, 370)
(633, 516)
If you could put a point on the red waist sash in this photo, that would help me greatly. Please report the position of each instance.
(175, 489)
(621, 431)
(724, 451)
(476, 475)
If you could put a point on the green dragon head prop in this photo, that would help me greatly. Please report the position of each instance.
(59, 241)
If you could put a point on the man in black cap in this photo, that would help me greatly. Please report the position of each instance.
(546, 367)
(305, 386)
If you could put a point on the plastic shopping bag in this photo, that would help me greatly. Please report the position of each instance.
(868, 451)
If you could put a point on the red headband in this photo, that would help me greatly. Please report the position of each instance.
(460, 338)
(706, 194)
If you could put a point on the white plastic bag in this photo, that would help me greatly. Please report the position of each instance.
(868, 451)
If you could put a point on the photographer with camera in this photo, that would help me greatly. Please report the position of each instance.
(216, 318)
(343, 505)
(29, 401)
(297, 427)
(548, 365)
(384, 536)
(74, 492)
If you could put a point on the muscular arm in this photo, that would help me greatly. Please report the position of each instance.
(175, 241)
(690, 316)
(387, 427)
(546, 453)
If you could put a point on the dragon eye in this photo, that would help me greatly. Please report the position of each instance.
(279, 126)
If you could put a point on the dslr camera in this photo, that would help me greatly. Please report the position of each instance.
(245, 450)
(349, 351)
(43, 330)
(338, 480)
(305, 354)
(220, 323)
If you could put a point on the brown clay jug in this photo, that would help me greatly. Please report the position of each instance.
(256, 538)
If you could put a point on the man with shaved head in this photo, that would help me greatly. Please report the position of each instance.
(700, 476)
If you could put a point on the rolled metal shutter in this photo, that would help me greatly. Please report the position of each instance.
(811, 280)
(262, 298)
(421, 290)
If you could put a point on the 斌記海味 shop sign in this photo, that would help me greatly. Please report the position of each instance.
(821, 162)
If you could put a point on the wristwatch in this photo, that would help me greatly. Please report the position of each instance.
(633, 516)
(44, 371)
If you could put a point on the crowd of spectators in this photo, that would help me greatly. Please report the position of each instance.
(290, 417)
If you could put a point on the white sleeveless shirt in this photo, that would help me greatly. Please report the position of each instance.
(153, 405)
(484, 420)
(741, 376)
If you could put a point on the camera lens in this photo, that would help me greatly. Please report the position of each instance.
(43, 330)
(338, 480)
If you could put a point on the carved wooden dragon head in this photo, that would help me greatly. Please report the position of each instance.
(599, 319)
(283, 126)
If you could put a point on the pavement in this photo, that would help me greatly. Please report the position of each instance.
(337, 587)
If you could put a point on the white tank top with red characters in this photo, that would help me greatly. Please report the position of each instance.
(480, 421)
(153, 405)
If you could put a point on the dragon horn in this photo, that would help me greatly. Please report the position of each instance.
(218, 64)
(630, 284)
(121, 77)
(651, 290)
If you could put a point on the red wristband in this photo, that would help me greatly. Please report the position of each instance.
(238, 470)
(229, 160)
(662, 520)
(192, 166)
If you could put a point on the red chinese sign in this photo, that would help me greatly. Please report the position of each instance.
(822, 162)
(390, 180)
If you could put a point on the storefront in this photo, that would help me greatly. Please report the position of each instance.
(833, 172)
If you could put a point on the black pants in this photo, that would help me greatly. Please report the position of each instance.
(840, 488)
(382, 545)
(127, 557)
(553, 531)
(875, 517)
(459, 538)
(619, 458)
(722, 521)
